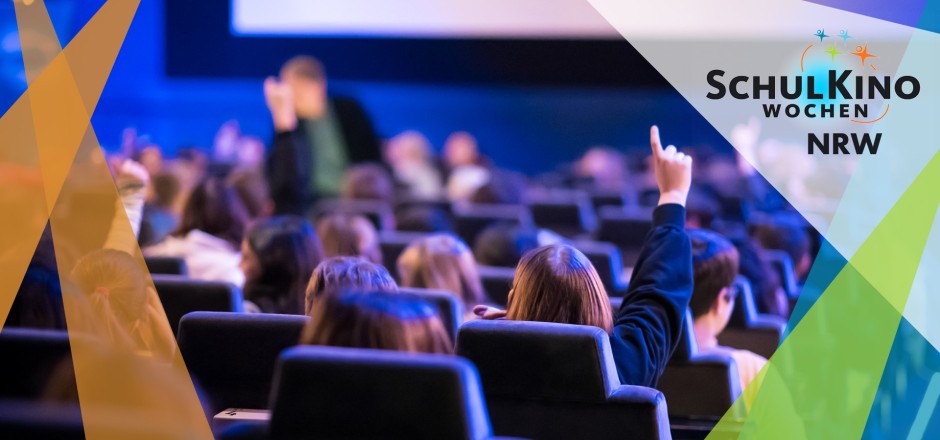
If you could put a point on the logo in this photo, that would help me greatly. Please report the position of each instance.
(843, 83)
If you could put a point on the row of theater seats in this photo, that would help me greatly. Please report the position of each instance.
(570, 214)
(524, 366)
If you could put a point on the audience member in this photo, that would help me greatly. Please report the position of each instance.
(208, 237)
(349, 236)
(376, 320)
(504, 244)
(123, 308)
(316, 136)
(557, 283)
(336, 274)
(252, 189)
(715, 264)
(409, 155)
(279, 255)
(788, 235)
(442, 261)
(368, 181)
(160, 217)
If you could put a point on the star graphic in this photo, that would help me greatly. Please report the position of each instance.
(862, 52)
(821, 33)
(845, 35)
(832, 51)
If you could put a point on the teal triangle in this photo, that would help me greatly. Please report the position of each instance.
(906, 404)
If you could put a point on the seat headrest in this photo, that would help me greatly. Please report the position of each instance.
(181, 295)
(745, 310)
(233, 354)
(448, 307)
(30, 357)
(538, 360)
(329, 392)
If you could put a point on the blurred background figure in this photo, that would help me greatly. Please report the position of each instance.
(209, 234)
(279, 255)
(349, 236)
(414, 166)
(316, 136)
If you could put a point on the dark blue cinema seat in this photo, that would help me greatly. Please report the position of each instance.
(29, 359)
(181, 295)
(625, 228)
(471, 219)
(607, 260)
(698, 386)
(497, 282)
(167, 265)
(446, 304)
(749, 330)
(378, 212)
(566, 212)
(558, 381)
(232, 355)
(345, 393)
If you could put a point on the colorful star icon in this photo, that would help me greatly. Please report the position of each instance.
(821, 33)
(832, 51)
(862, 52)
(845, 35)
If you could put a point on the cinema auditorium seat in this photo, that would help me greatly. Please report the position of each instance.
(749, 330)
(698, 386)
(29, 358)
(343, 393)
(569, 213)
(627, 229)
(376, 211)
(180, 295)
(471, 219)
(448, 307)
(497, 281)
(781, 262)
(558, 381)
(392, 244)
(37, 420)
(607, 260)
(232, 355)
(167, 265)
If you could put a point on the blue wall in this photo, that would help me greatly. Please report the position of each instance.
(527, 128)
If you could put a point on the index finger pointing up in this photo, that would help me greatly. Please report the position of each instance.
(655, 144)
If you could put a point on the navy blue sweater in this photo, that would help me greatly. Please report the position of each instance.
(648, 325)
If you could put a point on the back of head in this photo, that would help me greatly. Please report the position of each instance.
(166, 188)
(38, 302)
(349, 236)
(368, 181)
(347, 273)
(377, 320)
(714, 266)
(557, 283)
(306, 67)
(287, 250)
(441, 261)
(214, 208)
(786, 235)
(503, 244)
(121, 310)
(252, 190)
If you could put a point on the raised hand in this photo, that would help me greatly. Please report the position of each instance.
(130, 175)
(280, 99)
(673, 171)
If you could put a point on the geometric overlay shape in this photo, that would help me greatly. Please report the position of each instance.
(906, 403)
(913, 13)
(823, 379)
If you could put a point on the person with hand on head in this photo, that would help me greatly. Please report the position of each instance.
(316, 136)
(557, 283)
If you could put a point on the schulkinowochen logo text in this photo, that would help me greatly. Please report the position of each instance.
(845, 93)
